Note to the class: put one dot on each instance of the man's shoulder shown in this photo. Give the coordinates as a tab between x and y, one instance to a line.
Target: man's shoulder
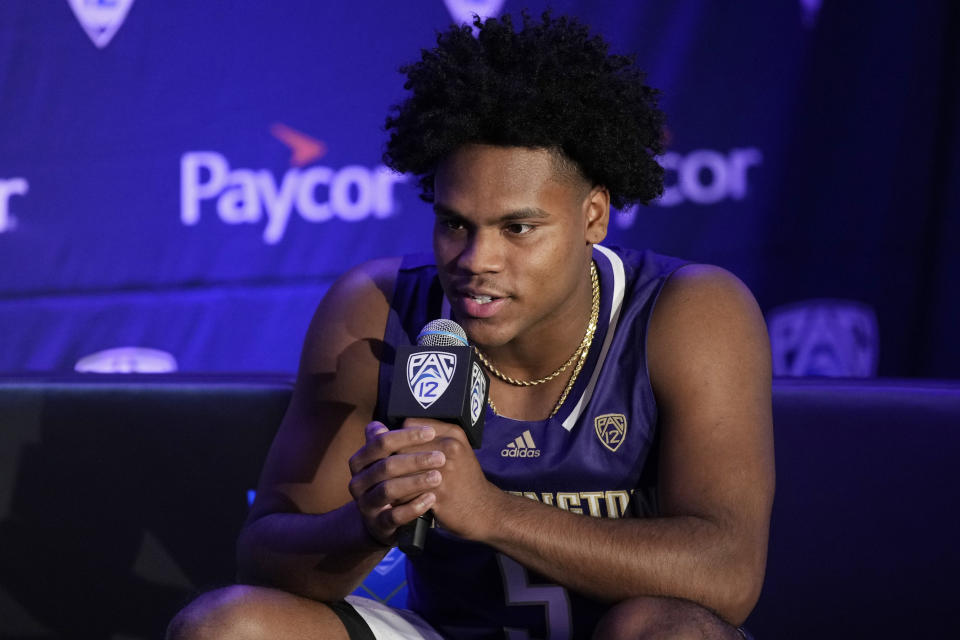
706	320
701	296
360	303
354	309
378	278
366	287
706	285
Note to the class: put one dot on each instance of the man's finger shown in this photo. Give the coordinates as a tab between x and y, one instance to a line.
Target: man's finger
382	443
389	520
373	429
442	429
393	468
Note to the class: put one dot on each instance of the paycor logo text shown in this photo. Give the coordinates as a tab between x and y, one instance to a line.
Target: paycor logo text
8	188
316	193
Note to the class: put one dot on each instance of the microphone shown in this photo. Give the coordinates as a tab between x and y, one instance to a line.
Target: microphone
440	378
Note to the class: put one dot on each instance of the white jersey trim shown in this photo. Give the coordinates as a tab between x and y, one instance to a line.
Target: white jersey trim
388	623
619	287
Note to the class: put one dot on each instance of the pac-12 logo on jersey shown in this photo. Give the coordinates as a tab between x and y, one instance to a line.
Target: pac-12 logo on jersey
611	428
478	391
429	374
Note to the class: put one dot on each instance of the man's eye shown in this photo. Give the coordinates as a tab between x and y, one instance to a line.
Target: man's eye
519	228
451	224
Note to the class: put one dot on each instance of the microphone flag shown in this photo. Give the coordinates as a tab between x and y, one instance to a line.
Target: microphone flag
441	379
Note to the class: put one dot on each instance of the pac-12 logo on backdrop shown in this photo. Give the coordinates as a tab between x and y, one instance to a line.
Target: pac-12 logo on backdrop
101	19
462	11
127	360
429	374
836	338
317	193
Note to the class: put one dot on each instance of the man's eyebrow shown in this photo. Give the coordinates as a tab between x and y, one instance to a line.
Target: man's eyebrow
446	212
526	213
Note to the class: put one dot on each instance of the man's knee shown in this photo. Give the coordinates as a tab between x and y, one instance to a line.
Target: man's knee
228	612
253	613
651	618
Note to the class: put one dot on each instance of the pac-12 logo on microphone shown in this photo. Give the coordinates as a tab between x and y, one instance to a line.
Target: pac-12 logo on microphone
478	388
429	374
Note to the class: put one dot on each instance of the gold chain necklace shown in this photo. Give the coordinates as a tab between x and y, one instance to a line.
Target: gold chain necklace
580	355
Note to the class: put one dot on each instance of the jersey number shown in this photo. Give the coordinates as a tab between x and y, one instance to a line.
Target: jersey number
519	591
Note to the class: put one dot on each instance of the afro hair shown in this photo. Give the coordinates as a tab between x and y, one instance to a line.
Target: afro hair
549	85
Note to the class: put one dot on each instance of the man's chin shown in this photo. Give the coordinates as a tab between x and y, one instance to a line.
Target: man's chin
485	333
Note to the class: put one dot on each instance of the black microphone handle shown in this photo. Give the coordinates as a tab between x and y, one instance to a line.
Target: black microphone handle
413	535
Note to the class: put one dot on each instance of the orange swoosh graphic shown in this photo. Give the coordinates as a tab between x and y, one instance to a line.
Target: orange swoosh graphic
304	149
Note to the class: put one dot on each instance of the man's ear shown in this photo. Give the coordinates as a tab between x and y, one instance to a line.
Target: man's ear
596	214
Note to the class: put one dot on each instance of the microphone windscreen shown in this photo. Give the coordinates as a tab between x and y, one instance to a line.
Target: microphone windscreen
442	333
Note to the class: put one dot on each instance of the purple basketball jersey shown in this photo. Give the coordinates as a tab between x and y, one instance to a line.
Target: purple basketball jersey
596	457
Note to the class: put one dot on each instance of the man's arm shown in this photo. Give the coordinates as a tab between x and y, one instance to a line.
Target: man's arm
305	532
708	358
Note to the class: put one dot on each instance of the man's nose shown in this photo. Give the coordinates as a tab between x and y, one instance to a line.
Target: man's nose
482	252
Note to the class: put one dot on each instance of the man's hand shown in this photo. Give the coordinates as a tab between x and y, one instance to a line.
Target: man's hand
466	502
393	477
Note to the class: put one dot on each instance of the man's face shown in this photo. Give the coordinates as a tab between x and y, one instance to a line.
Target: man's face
512	240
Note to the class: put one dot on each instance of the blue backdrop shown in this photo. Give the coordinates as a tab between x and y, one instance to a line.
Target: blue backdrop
190	177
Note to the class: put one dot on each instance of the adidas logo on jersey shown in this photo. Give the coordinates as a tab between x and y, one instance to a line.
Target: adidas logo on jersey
521	447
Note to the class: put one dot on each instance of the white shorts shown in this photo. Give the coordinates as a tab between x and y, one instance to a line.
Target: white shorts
387	623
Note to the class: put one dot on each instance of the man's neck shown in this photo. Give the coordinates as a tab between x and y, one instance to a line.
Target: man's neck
543	348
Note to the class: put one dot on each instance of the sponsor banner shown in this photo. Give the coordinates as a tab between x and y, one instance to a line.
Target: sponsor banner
187	167
150	147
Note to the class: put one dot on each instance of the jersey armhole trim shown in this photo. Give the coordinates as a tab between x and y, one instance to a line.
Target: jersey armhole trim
619	287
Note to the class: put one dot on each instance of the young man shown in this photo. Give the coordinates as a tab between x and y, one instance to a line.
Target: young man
636	387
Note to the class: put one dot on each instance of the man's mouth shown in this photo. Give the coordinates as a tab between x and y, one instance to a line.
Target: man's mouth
481	305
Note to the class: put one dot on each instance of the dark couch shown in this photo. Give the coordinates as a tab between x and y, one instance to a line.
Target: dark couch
121	497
